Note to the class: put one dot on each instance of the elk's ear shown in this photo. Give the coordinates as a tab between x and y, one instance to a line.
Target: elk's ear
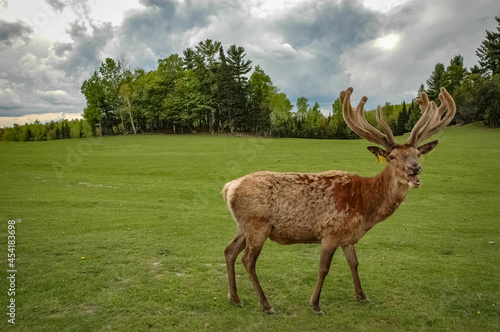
426	148
378	152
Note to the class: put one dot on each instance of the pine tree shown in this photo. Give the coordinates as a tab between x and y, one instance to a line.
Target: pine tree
413	116
28	136
65	130
489	51
235	55
402	121
435	82
454	74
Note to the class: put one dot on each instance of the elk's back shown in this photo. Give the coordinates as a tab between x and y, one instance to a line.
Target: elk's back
292	207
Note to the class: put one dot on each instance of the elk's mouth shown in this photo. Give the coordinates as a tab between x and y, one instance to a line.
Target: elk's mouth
413	180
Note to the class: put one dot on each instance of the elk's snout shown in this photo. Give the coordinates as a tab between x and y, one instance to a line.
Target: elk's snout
414	168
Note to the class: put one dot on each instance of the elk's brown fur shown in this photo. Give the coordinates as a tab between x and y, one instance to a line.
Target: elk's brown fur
332	208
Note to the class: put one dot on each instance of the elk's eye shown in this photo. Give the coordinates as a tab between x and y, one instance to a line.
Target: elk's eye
418	155
392	157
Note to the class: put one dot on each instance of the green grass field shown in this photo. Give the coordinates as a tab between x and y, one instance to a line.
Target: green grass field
128	233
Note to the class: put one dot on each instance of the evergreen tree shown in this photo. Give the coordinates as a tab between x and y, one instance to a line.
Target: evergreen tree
313	121
229	110
240	67
260	92
65	130
454	73
189	58
489	51
232	69
435	82
403	118
492	112
28	136
207	51
340	128
413	116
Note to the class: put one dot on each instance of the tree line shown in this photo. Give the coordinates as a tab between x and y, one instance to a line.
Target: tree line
53	130
208	89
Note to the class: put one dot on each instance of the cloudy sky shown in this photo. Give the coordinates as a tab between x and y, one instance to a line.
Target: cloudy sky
384	49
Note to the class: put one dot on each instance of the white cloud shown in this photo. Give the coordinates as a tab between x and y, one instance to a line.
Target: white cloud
383	5
9	99
56	97
387	42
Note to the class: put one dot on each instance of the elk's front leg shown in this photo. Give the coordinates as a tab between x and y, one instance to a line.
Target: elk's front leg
352	260
327	252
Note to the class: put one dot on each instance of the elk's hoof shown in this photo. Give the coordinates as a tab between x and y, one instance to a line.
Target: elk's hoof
268	310
365	300
319	312
236	301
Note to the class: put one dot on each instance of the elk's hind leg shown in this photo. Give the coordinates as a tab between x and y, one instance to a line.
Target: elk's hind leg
352	260
231	252
255	242
327	251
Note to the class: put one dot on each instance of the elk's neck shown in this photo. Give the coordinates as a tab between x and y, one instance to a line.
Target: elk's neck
388	191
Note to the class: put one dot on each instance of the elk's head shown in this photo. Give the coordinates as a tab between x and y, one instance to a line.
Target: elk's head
403	159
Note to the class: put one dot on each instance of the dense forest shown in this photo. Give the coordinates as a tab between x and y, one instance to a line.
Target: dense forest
212	90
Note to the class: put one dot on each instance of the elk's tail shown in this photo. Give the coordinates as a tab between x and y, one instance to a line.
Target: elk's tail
228	194
224	191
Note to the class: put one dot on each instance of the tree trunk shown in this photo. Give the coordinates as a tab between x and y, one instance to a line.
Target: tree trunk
123	125
131	119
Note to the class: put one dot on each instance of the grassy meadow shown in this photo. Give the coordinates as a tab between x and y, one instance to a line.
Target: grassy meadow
127	233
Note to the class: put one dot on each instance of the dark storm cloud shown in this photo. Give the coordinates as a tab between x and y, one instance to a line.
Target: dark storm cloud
11	32
79	7
163	28
334	24
57	5
84	54
325	30
164	4
46	77
60	49
76	29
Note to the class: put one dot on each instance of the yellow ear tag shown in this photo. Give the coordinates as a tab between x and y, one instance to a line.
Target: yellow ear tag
381	159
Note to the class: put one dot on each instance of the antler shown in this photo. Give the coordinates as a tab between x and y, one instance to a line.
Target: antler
358	123
432	119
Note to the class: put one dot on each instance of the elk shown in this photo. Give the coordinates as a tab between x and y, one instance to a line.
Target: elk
333	208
